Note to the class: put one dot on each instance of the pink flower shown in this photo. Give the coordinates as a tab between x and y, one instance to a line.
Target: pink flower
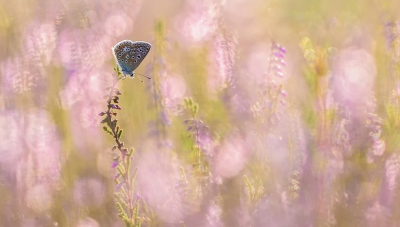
83	97
221	62
32	152
213	215
206	142
78	50
392	167
39	198
200	20
89	192
87	222
115	164
231	157
354	75
173	90
41	39
156	181
14	79
118	24
377	214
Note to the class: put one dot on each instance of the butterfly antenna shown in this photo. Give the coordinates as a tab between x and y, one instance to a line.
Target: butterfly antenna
142	75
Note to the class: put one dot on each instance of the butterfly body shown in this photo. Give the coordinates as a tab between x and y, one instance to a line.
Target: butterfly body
130	54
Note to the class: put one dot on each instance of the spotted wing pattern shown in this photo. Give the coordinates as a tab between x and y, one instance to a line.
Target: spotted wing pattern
130	54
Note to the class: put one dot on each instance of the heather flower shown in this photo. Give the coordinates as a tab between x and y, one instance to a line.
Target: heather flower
258	62
89	192
206	142
200	20
12	76
213	215
82	96
373	125
10	152
270	60
222	60
173	90
81	50
115	164
269	212
39	198
26	70
41	39
392	30
31	157
54	12
156	181
198	129
340	135
335	164
354	74
87	222
70	49
118	24
231	157
377	215
377	149
297	154
165	118
392	169
271	96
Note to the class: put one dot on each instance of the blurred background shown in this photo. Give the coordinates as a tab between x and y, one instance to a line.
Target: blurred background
257	113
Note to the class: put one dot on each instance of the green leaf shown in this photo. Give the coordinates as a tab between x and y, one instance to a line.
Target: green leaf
121	210
129	158
131	151
107	130
134	176
306	43
249	187
121	201
120	169
119	134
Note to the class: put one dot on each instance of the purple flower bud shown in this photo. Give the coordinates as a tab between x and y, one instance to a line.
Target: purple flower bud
119	185
284	93
165	118
116	176
278	68
282	49
278	55
115	164
279	74
138	196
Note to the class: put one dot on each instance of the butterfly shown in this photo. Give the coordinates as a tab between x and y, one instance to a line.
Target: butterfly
130	54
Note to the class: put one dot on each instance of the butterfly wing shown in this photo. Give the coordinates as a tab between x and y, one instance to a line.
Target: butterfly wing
130	54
